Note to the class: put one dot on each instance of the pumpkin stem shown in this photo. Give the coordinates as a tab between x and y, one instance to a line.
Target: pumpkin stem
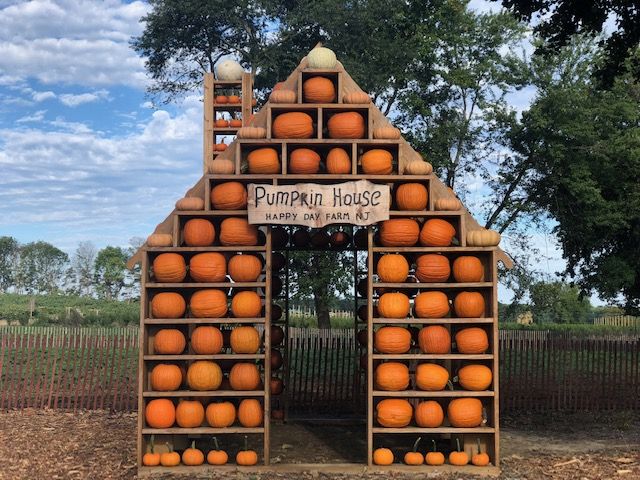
151	443
246	443
215	442
478	439
169	446
458	443
415	445
434	445
450	385
193	444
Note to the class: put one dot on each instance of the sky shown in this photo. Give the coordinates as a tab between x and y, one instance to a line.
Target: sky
83	155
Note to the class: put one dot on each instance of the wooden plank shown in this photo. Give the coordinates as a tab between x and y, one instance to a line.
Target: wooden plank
189	321
207	285
439	394
200	431
207	121
426	431
432	356
434	321
220	356
210	393
370	270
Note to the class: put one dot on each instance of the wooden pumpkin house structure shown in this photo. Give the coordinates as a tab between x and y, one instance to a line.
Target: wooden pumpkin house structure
209	318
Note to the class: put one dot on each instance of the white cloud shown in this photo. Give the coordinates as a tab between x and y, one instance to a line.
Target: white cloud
42	96
73	100
36	117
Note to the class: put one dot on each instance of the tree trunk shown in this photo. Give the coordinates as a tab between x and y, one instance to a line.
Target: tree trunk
320	297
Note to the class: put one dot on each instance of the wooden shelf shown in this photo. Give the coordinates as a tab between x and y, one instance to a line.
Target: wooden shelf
211	213
188	321
225	130
424	285
419	249
319	176
220	356
227	83
212	248
228	107
434	321
199	430
207	285
454	430
432	356
214	393
440	394
328	141
425	213
308	106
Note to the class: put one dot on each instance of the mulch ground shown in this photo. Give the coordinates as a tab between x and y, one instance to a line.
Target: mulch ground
40	444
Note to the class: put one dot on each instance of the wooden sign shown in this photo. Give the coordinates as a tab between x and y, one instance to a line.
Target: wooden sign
313	205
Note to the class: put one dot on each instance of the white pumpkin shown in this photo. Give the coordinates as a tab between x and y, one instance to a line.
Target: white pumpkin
483	238
321	57
229	70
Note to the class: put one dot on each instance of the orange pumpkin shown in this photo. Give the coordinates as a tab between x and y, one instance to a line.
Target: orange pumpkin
151	458
245	339
392	340
168	305
392	268
377	161
292	125
206	340
432	268
244	268
391	376
480	459
437	233
394	412
160	240
244	376
189	414
246	304
468	269
238	231
383	456
192	456
472	340
165	377
169	268
221	123
411	196
459	458
346	125
431	377
246	457
465	412
338	161
235	122
304	161
170	458
204	375
434	339
475	377
169	341
160	413
431	304
250	413
264	161
393	305
229	196
217	456
209	303
208	267
469	305
198	232
399	232
429	414
318	90
220	414
414	457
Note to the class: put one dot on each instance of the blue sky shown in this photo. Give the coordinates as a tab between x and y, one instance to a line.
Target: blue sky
83	156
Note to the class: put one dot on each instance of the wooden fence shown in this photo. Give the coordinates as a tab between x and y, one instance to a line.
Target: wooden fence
618	321
96	368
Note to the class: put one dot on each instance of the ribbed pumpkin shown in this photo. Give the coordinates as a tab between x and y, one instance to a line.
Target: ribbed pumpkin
468	269
165	377
394	412
429	414
432	268
346	125
448	204
437	233
250	413
206	340
434	339
391	377
469	305
246	304
160	413
383	456
159	240
263	161
472	340
244	376
411	196
292	125
483	238
208	267
399	232
356	97
387	132
251	132
282	96
220	414
244	268
222	166
318	90
304	161
190	203
192	456
431	377
431	305
204	375
189	414
392	340
475	377
245	339
169	341
169	268
392	268
168	305
198	232
377	161
209	303
238	231
465	412
338	161
393	305
229	196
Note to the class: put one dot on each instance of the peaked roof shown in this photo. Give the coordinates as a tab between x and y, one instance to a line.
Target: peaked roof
406	152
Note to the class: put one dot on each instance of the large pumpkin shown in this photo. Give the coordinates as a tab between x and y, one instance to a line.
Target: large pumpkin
434	339
206	340
468	269
475	377
437	233
189	414
250	413
391	376
168	305
432	268
198	232
208	303
469	305
411	196
431	305
465	412
346	125
238	231
208	267
220	414
431	377
165	377
377	161
322	58
399	232
169	341
472	340
292	125
246	304
338	161
429	414
394	412
393	305
229	196
160	413
392	268
304	161
263	161
244	268
245	339
244	376
204	375
318	90
169	268
392	340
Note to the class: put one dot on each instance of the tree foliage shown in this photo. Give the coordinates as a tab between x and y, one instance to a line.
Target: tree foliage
9	255
110	272
41	268
558	302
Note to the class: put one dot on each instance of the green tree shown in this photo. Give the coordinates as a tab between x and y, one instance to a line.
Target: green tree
110	272
83	263
9	255
558	302
41	268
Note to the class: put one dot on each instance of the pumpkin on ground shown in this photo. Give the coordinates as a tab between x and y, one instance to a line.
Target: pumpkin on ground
434	339
475	377
160	413
469	305
250	413
432	268
192	456
411	196
393	305
392	268
245	339
229	196
472	340
292	125
394	412
429	414
346	125
168	305
203	375
468	269
244	376
399	232
338	161
431	304
198	232
465	412
206	340
264	161
437	233
238	232
165	377
318	90
220	414
244	268
208	267
431	377
169	341
246	304
382	456
377	161
189	414
391	376
304	161
392	340
208	303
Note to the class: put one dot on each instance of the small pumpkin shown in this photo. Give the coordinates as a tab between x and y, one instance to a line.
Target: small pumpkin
468	269
414	457
263	161
208	267
244	376
318	90
437	233
391	376
222	166
169	268
250	413
151	458
399	232
170	458
431	377
321	58
483	238
190	203
192	456
221	99
221	123
229	70
411	196
198	232
251	132
159	240
160	413
448	204
377	161
393	305
417	167
431	304
469	305
217	456
206	340
472	340
434	457
208	303
387	132
292	125
165	377
235	122
283	96
465	412
229	196
383	456
304	161
219	147
169	341
434	339
246	457
168	305
356	97
220	414
244	268
189	414
429	414
480	459
458	457
245	339
246	304
392	340
475	377
203	375
392	268
234	99
394	412
432	268
338	161
346	125
238	232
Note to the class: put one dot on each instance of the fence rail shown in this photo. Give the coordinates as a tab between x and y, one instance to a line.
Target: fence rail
618	321
91	368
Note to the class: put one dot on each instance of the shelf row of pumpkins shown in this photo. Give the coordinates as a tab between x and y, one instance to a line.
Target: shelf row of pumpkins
429	268
193	456
206	267
464	412
430	377
432	304
232	231
207	303
384	456
430	339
